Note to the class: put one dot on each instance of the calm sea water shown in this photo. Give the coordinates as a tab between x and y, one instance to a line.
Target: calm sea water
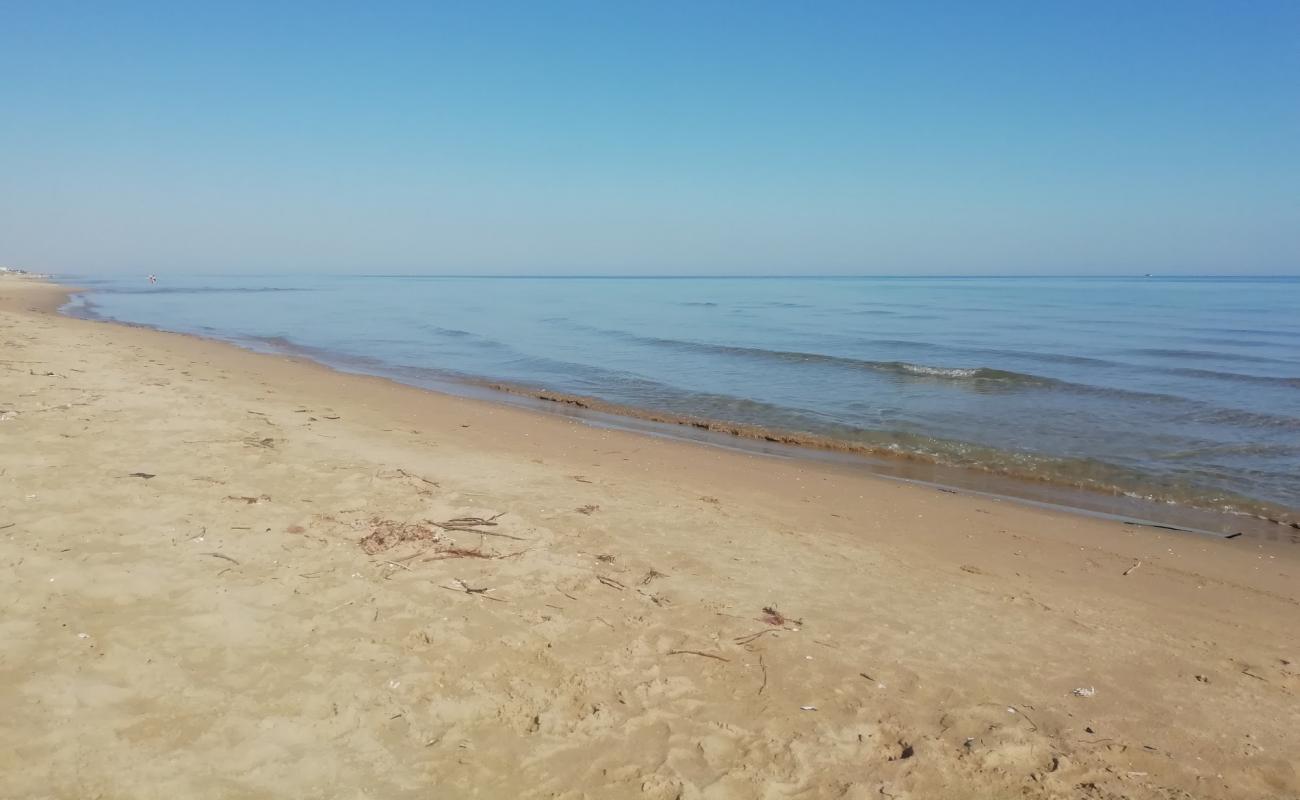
1181	390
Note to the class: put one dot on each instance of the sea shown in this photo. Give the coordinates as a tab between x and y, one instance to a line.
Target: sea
1156	398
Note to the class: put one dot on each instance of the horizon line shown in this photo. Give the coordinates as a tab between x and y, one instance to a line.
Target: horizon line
680	276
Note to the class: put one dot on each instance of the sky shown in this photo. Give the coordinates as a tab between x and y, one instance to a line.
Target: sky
699	137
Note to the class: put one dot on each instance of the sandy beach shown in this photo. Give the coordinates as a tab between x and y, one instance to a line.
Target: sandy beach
226	574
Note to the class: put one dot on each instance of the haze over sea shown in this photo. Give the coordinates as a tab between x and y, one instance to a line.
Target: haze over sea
1181	390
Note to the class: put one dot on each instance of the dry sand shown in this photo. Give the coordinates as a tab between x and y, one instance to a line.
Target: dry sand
218	629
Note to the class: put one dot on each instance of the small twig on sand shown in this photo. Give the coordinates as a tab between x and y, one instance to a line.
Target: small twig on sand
492	520
398	564
610	582
697	653
249	499
341	605
580	479
566	594
7	525
651	575
763	667
654	598
406	474
458	552
467	589
1032	724
145	475
1247	672
472	525
744	640
1129	571
222	555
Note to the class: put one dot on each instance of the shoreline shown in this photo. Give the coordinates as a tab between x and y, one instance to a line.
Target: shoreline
228	573
1256	519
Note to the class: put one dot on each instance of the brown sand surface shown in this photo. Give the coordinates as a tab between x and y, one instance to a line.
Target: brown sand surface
220	577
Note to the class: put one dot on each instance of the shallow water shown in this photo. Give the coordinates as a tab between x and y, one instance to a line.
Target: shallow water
1181	390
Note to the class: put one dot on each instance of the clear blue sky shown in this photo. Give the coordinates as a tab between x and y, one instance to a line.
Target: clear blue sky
655	137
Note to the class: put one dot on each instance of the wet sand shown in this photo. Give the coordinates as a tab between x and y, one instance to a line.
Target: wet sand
222	578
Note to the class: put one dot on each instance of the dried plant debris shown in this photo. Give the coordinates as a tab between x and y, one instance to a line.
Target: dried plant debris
385	534
774	617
